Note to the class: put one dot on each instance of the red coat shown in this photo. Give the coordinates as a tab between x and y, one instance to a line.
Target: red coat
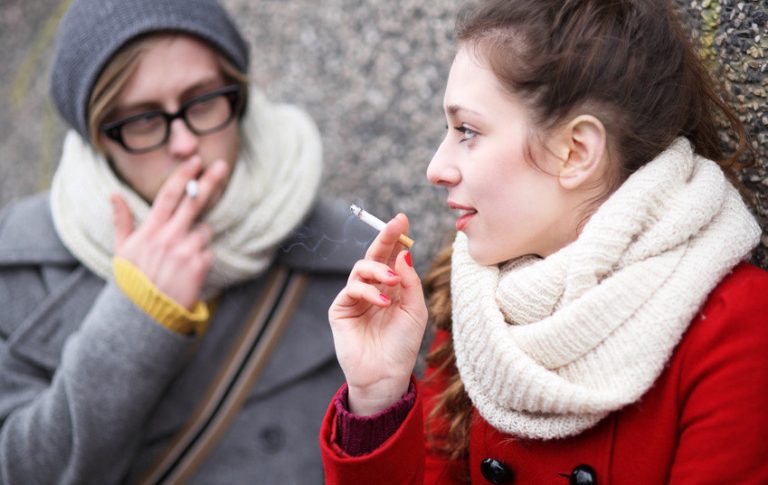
705	420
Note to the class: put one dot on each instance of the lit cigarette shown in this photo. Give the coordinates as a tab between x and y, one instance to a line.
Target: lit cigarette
378	224
192	189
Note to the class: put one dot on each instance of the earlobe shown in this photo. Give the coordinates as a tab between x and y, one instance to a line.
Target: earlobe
586	140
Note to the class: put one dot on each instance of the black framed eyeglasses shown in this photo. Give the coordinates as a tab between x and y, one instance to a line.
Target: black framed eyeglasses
203	115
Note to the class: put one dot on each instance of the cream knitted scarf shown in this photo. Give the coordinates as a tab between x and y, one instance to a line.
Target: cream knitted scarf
272	188
548	347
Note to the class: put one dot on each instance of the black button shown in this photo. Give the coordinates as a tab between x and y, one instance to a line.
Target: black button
496	472
272	439
583	475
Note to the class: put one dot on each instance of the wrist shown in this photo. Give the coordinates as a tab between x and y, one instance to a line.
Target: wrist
371	399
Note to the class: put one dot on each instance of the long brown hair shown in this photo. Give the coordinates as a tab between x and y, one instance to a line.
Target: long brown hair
627	62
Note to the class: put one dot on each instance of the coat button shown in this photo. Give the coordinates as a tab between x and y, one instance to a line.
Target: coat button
583	475
272	439
496	472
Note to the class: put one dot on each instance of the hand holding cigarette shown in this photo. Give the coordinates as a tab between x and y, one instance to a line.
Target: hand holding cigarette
170	247
378	224
378	319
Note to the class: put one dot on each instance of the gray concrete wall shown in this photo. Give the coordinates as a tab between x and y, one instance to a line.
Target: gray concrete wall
371	73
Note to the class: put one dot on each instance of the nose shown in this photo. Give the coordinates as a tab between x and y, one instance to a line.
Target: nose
441	170
182	143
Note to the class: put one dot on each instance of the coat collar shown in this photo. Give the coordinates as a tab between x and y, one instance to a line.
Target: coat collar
27	234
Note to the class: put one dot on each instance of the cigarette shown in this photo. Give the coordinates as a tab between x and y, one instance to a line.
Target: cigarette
192	189
378	224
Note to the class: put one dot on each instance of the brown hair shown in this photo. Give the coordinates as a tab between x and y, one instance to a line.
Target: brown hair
627	62
119	69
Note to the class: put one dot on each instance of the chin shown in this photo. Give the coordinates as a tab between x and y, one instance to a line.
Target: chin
483	257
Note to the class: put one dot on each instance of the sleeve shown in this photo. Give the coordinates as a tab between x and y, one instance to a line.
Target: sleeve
405	457
82	424
724	397
156	304
359	435
400	459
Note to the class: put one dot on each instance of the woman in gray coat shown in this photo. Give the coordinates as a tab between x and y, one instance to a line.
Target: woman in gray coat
164	305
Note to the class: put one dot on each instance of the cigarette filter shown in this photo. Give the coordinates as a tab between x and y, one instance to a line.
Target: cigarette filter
377	224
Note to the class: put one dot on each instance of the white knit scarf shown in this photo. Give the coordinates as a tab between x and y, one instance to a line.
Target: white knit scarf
548	347
272	188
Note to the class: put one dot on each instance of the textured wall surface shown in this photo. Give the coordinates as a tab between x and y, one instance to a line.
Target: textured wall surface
372	74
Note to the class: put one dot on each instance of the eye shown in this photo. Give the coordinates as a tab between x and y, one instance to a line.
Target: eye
466	132
143	123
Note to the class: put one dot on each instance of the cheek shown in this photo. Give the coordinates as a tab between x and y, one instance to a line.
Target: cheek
233	144
518	209
222	145
131	169
145	174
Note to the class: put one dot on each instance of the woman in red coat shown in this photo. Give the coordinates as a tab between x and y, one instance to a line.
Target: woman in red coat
596	320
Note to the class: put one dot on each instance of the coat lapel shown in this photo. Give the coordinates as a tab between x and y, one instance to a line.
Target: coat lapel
41	336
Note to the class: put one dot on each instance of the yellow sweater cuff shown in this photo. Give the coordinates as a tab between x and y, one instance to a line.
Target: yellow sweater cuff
156	304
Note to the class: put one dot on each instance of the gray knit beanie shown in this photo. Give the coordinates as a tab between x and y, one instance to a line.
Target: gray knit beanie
92	31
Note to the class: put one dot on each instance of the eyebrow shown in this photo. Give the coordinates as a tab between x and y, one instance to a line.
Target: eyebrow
190	92
455	109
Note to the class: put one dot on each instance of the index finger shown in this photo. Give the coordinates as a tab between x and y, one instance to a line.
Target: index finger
386	246
170	193
191	208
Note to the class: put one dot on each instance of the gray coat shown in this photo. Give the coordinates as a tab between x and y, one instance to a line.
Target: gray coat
92	389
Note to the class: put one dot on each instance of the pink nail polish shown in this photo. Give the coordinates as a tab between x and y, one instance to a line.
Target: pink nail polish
383	297
391	273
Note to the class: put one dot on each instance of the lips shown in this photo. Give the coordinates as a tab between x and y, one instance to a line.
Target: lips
465	214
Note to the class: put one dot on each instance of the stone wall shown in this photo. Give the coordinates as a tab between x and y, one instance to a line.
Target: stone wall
732	37
372	74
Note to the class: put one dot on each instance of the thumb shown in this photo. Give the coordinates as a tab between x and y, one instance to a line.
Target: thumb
122	220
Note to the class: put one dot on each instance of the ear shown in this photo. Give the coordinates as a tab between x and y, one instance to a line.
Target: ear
583	145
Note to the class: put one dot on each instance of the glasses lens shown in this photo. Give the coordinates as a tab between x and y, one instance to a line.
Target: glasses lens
144	132
210	113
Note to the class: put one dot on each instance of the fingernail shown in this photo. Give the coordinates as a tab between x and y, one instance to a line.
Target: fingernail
391	273
383	297
408	259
